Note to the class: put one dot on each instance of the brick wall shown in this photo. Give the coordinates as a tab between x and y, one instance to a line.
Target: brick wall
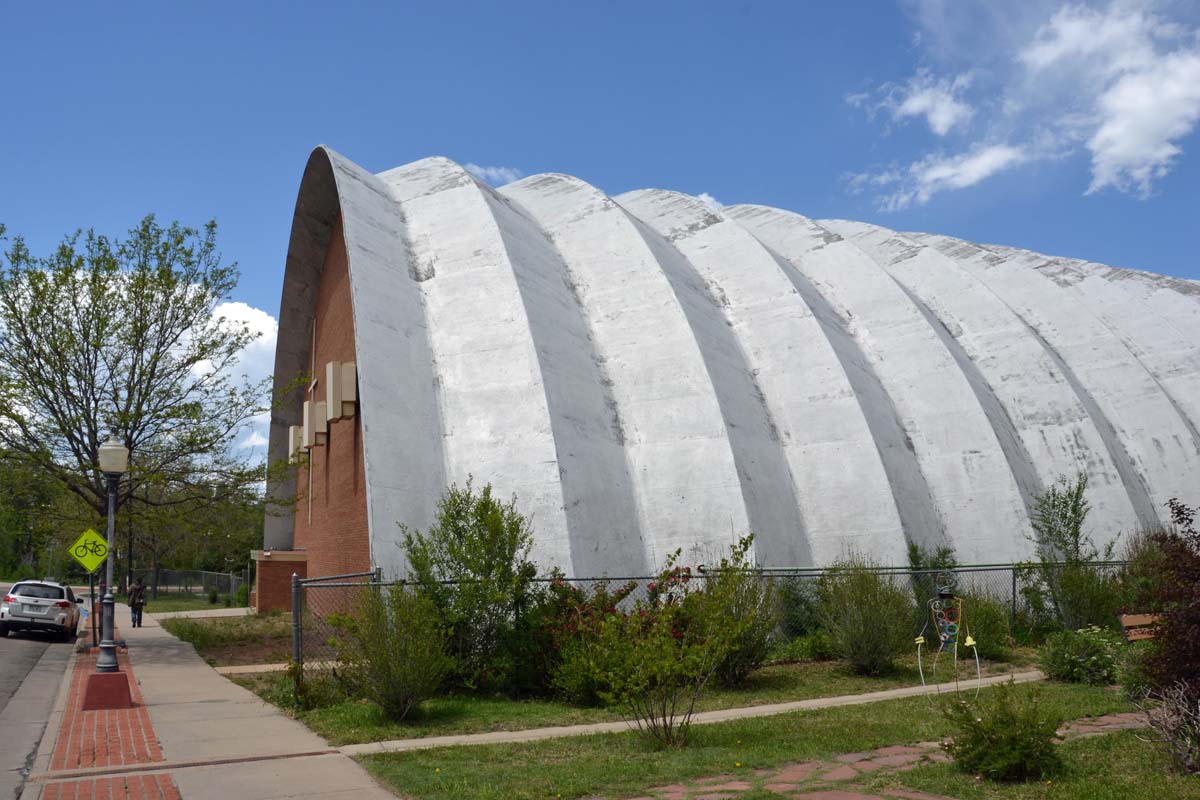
331	510
273	584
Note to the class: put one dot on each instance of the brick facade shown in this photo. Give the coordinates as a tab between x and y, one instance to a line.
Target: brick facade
273	581
331	508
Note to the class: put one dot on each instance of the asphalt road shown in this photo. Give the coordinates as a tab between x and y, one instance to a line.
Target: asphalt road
18	653
31	671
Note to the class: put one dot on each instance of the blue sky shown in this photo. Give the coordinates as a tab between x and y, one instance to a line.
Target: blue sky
1064	128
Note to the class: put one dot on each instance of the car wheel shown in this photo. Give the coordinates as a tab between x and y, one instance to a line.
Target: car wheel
3	631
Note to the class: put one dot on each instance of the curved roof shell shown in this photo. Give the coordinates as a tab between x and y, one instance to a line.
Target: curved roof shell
648	372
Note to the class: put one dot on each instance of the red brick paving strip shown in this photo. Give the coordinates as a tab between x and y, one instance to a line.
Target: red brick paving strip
111	738
124	787
103	738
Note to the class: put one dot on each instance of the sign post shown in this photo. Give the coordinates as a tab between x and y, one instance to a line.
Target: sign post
90	550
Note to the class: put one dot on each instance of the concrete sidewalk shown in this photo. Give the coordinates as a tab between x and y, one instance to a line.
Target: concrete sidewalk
702	718
214	738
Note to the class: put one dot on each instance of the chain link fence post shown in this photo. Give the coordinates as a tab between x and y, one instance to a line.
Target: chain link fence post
297	639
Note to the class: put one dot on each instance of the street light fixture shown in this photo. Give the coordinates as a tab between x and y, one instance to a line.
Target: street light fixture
114	462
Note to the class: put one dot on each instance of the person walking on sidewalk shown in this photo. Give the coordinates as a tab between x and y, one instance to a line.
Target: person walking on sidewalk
137	602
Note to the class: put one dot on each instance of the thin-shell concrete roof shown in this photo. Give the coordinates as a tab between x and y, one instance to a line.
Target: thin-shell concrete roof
648	372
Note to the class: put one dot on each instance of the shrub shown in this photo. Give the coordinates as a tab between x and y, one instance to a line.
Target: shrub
1172	659
867	616
989	623
241	597
797	598
391	649
1004	735
212	597
1063	585
1131	671
926	565
473	565
1174	715
1088	655
814	646
571	619
740	602
655	661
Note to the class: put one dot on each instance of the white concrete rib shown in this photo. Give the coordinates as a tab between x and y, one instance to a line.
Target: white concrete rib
1157	318
766	483
1143	420
830	460
402	449
588	436
1039	418
682	468
973	490
886	445
496	423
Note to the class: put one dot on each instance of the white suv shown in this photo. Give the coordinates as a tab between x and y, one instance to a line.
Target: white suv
40	606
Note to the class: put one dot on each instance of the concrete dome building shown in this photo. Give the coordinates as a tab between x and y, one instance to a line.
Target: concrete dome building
646	372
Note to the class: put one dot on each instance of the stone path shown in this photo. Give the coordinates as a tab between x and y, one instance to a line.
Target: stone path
835	779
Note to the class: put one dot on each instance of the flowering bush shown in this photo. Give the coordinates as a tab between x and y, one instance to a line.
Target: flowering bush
1088	655
652	660
572	621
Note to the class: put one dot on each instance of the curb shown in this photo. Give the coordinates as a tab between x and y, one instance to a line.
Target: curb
32	790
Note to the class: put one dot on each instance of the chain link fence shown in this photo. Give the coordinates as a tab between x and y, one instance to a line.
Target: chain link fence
189	581
318	603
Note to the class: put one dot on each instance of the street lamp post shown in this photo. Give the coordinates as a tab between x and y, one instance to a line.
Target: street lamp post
114	461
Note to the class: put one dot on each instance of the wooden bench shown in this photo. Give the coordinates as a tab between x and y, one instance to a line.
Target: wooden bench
1138	627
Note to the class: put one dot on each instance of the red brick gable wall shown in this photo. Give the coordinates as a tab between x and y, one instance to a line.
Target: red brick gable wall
331	512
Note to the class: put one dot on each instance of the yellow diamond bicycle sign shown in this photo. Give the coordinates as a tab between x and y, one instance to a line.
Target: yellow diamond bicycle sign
90	550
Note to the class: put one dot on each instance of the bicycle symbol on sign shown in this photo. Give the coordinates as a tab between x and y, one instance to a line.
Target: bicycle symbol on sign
93	548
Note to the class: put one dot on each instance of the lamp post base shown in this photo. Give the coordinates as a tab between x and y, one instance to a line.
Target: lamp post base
107	691
106	662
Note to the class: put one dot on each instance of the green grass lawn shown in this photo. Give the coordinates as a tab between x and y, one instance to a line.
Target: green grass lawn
355	721
252	639
175	602
620	765
1116	766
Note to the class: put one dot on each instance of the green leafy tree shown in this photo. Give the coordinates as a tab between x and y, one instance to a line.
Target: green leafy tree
122	336
27	499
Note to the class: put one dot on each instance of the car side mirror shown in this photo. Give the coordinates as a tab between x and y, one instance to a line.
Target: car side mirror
79	600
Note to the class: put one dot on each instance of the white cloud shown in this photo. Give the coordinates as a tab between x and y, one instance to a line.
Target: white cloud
938	173
709	200
255	439
935	99
1117	81
256	361
496	176
1138	77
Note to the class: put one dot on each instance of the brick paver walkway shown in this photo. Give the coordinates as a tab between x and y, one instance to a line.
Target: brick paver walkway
103	738
100	743
834	779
